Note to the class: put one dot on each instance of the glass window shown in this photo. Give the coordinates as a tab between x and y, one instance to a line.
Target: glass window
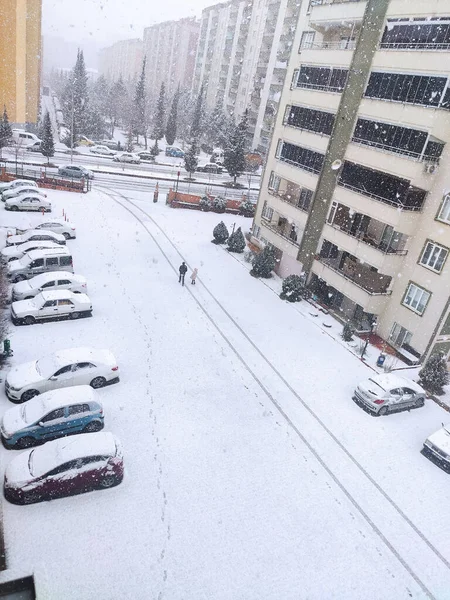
416	298
399	336
65	302
49	284
55	414
322	78
433	256
267	212
64	282
63	370
414	89
83	365
37	263
444	213
306	159
65	261
52	261
312	120
49	303
76	409
307	40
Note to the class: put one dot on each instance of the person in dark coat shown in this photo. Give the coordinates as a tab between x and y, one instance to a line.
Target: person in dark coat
182	270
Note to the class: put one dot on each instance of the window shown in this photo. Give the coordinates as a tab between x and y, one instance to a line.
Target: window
274	182
399	336
322	78
39	262
65	261
267	212
307	40
63	370
64	282
55	414
52	261
83	365
317	121
306	159
49	303
418	34
77	409
65	302
444	213
412	89
416	298
304	202
434	256
390	137
49	284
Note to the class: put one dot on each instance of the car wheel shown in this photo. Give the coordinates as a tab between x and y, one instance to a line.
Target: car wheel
98	382
93	426
383	411
108	481
14	208
29	320
74	315
419	403
25	442
66	235
28	395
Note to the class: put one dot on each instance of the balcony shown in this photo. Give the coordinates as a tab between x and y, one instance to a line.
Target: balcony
331	13
284	227
289	192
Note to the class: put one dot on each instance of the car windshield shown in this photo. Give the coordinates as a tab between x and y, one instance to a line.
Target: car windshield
377	384
47	366
32	411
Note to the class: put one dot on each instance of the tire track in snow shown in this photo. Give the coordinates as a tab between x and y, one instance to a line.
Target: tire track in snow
111	193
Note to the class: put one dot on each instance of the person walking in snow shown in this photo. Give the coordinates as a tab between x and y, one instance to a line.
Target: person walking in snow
194	276
182	270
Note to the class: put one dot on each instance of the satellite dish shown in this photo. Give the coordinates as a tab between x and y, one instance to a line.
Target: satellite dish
336	165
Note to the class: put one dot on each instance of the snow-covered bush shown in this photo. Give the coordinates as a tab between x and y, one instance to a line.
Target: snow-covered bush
205	203
236	241
347	333
249	255
293	289
247	208
264	263
220	233
434	375
219	204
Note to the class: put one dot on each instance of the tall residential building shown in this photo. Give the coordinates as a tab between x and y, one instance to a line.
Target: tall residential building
20	63
122	59
242	60
356	190
170	49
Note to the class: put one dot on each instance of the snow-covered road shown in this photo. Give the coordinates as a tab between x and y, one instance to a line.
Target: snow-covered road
251	474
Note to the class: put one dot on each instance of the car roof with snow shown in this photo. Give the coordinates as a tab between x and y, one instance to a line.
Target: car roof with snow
441	439
54	399
58	295
51	275
31	232
26	195
58	452
60	250
83	354
389	381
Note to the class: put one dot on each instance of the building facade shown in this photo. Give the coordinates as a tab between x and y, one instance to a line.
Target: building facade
170	50
242	58
122	59
356	190
20	64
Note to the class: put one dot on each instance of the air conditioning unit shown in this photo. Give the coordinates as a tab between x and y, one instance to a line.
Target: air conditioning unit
430	168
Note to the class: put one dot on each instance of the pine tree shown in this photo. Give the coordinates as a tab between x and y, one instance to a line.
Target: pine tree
247	208
139	107
197	120
236	241
434	375
47	145
130	145
220	233
100	96
117	104
293	288
190	158
159	119
171	127
217	127
219	204
5	130
234	155
264	263
80	92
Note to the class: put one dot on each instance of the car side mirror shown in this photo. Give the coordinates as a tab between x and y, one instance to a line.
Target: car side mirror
53	378
41	424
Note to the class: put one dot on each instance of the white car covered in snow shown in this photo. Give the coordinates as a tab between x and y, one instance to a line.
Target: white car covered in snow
11	185
127	157
437	447
54	280
388	392
68	230
64	368
36	235
102	150
50	305
21	190
15	252
29	202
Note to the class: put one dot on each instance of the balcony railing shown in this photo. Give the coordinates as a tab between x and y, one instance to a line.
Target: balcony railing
414	46
350	45
279	231
377	287
322	2
363	237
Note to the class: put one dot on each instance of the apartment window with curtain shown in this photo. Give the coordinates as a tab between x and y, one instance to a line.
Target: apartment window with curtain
416	298
433	256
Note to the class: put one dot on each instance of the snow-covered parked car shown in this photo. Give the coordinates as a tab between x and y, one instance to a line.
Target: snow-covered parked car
64	368
210	168
99	149
39	261
52	415
437	447
64	467
54	280
68	230
50	305
127	157
20	190
11	185
36	235
75	172
386	393
15	252
29	202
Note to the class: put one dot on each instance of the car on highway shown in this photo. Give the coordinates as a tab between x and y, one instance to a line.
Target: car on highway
20	190
34	235
64	228
28	202
11	253
51	305
437	447
99	149
75	172
210	168
10	185
388	392
52	415
63	467
174	151
127	157
63	368
54	280
146	156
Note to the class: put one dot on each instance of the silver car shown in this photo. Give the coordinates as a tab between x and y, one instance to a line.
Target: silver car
383	394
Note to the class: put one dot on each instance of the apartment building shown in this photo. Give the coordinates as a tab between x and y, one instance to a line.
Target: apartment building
20	64
242	60
170	49
356	190
122	59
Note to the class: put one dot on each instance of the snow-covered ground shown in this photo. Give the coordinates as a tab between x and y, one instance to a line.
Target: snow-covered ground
250	472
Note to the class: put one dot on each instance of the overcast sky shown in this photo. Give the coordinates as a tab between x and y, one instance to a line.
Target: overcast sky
106	21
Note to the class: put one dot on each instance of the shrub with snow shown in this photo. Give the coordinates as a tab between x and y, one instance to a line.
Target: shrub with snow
236	241
347	333
205	203
219	204
434	375
293	289
247	208
264	263
220	233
